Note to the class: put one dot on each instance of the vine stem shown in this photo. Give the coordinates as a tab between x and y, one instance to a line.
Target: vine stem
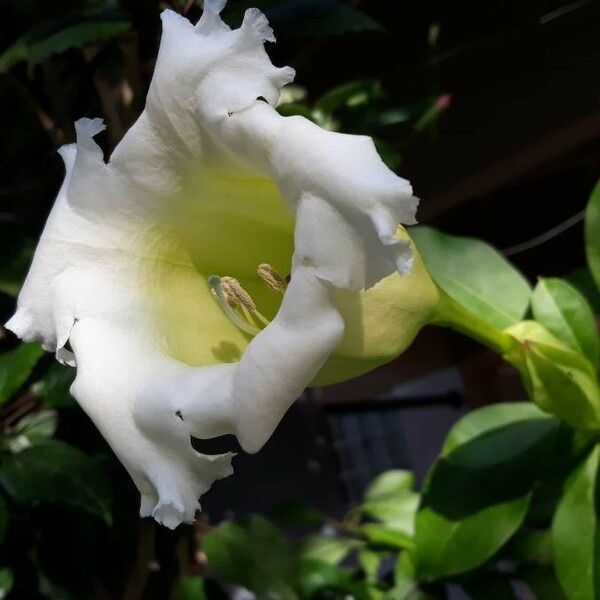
451	314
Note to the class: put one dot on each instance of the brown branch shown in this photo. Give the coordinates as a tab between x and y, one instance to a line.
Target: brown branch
145	554
22	406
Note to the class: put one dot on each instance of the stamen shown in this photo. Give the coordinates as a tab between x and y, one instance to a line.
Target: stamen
214	283
271	278
234	291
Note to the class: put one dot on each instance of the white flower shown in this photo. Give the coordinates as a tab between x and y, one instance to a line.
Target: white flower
209	181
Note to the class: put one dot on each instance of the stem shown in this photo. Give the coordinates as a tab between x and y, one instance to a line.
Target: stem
451	314
139	577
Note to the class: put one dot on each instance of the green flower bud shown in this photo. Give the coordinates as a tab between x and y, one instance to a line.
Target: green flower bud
558	379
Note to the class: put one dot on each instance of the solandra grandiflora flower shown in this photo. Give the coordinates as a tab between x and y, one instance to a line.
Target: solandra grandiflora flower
166	268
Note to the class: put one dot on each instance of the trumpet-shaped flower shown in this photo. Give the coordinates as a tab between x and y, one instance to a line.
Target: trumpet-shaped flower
161	274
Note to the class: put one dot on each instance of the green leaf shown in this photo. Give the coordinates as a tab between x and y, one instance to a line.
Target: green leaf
532	546
16	367
562	310
396	514
32	429
6	582
76	36
405	584
592	233
583	281
54	387
316	578
54	472
370	563
328	549
353	93
11	56
576	532
487	419
253	554
389	499
474	275
447	546
481	483
384	537
191	588
57	37
389	485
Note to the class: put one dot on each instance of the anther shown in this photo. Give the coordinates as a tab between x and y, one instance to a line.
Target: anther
271	278
236	295
215	284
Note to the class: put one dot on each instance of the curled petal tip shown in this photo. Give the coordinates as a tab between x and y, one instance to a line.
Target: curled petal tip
210	21
214	6
256	26
21	324
285	75
89	127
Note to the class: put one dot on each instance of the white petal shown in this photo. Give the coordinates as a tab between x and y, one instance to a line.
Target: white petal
110	245
249	398
113	365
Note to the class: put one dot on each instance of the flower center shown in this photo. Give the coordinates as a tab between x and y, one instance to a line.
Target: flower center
237	303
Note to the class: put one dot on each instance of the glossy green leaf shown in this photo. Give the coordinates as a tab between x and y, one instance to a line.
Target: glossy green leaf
583	281
191	588
474	275
592	233
54	472
565	313
447	546
6	582
481	483
488	419
576	532
16	367
253	554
